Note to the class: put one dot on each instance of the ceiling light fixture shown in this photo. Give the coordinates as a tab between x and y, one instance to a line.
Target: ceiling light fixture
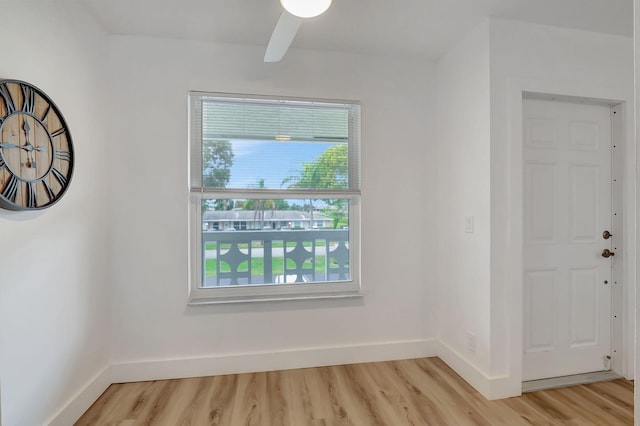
306	8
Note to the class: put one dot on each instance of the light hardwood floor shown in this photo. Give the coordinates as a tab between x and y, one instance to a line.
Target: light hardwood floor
397	393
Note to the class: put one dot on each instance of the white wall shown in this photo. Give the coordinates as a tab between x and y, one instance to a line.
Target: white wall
480	84
54	264
536	58
154	329
463	191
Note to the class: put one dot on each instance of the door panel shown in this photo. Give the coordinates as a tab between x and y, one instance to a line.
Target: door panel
584	307
583	182
567	184
540	310
541	223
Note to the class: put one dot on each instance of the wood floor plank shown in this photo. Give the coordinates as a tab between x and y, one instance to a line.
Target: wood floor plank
427	408
221	396
297	397
620	393
388	396
434	385
250	406
528	414
592	404
186	405
419	392
303	402
353	392
328	388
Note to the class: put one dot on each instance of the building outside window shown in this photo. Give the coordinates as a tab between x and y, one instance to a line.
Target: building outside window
239	225
275	195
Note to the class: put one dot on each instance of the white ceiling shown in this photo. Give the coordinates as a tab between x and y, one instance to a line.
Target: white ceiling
414	28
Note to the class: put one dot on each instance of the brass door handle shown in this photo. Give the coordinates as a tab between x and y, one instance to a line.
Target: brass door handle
607	253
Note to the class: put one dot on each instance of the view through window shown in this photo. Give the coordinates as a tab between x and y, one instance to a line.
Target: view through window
275	193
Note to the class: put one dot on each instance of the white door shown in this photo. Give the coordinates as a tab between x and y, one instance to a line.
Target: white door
567	207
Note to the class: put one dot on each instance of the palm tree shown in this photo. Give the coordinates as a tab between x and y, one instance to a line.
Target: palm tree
259	205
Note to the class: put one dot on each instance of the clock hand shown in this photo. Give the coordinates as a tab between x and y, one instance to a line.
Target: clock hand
28	147
30	161
25	147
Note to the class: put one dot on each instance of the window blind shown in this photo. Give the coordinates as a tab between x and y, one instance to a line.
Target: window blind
276	144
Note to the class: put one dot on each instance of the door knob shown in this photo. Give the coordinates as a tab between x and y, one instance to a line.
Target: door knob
606	235
607	253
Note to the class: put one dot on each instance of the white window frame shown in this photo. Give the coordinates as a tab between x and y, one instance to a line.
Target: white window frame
199	295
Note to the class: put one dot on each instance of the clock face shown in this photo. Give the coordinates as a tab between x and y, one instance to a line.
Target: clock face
36	153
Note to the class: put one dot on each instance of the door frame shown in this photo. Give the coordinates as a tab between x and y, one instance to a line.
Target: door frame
623	363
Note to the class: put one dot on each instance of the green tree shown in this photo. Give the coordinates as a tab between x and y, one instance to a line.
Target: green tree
223	204
329	171
337	210
281	204
217	159
248	204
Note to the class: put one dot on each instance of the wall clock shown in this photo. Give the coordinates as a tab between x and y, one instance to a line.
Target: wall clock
36	152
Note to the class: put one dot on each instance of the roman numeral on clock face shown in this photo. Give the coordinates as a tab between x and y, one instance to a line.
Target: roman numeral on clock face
5	94
28	99
62	155
31	196
47	187
61	178
10	191
58	132
46	112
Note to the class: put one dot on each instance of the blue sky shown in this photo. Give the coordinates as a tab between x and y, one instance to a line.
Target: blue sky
272	161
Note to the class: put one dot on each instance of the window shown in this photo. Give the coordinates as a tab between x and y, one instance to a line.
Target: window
275	195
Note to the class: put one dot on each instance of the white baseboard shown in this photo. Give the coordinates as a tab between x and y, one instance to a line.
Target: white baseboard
133	371
82	400
497	387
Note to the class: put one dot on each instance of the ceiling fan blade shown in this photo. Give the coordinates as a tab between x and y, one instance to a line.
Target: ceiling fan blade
282	36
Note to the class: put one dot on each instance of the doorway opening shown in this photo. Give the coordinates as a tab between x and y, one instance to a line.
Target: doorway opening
572	241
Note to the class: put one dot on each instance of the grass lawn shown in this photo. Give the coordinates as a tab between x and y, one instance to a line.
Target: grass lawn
257	266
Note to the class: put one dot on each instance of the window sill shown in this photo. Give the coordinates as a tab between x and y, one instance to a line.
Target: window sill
198	301
274	292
